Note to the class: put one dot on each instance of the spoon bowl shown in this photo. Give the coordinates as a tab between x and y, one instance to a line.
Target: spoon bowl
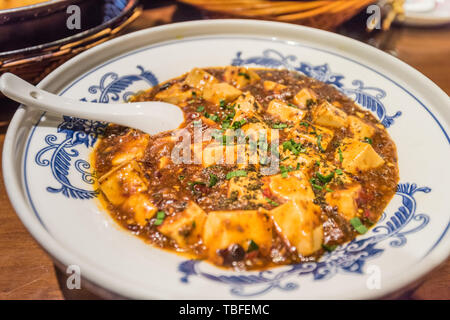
150	117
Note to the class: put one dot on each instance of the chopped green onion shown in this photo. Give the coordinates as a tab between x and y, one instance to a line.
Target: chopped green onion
196	182
314	184
165	86
368	140
305	124
270	201
293	147
225	124
237	173
319	143
317	186
329	247
341	158
200	109
213	179
180	177
238	124
339	172
245	75
252	246
325	179
279	126
358	226
284	171
230	116
231	106
213	117
328	189
160	215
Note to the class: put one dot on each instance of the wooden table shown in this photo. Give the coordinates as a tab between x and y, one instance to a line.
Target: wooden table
26	272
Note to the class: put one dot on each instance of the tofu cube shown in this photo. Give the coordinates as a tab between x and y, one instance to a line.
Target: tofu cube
303	160
295	186
132	149
298	224
249	118
175	94
257	130
218	154
273	86
141	207
185	227
280	110
359	128
204	123
247	154
198	78
358	156
121	182
248	188
345	200
224	228
240	76
220	91
246	104
302	97
326	167
310	134
328	115
247	108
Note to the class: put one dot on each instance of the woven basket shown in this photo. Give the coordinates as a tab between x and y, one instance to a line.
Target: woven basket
33	64
319	14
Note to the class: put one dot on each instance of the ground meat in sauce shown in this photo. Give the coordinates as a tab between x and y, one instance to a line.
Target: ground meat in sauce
170	187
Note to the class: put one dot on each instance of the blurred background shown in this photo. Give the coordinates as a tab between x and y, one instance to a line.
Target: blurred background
36	36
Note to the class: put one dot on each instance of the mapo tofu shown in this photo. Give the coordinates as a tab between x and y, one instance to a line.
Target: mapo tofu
317	169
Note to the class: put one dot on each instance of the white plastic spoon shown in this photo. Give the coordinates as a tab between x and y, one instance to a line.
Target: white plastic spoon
149	116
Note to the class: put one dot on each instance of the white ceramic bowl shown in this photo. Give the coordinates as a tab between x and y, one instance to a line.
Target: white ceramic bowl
47	174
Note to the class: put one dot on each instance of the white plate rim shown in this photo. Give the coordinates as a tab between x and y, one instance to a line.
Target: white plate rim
427	19
62	74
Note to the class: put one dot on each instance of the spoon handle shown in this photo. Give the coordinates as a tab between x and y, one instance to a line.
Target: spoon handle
135	115
21	91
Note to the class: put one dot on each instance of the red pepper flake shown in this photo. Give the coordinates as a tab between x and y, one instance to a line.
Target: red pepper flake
266	192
